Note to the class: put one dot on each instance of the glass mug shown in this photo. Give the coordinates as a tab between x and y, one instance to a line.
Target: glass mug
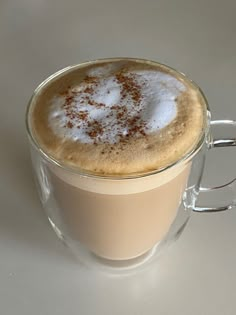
120	222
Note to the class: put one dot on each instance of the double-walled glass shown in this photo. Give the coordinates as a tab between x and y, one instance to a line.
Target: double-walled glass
121	222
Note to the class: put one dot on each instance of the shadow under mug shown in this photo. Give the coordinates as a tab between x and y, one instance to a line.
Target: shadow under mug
118	223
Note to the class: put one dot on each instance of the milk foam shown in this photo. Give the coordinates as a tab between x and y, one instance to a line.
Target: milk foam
124	186
100	102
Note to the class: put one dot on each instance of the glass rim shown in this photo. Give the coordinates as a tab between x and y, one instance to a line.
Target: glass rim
134	175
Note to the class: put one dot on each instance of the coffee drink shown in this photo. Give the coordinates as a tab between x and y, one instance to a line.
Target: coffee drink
118	133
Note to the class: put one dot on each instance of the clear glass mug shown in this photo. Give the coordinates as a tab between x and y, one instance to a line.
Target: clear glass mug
117	223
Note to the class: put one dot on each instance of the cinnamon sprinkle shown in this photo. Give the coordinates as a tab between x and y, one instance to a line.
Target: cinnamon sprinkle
130	88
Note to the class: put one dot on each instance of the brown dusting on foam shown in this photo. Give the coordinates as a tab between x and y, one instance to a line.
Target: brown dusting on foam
130	91
69	125
96	130
80	117
129	86
134	124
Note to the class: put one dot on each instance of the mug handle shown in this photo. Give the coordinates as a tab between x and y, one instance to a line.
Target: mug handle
227	131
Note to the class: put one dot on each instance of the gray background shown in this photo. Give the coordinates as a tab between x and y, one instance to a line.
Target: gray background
37	37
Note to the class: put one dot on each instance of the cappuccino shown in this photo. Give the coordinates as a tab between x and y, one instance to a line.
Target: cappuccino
116	131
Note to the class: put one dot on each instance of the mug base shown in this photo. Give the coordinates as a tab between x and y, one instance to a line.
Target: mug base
92	261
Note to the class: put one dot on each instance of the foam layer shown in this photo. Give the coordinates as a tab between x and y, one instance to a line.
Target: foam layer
105	108
122	187
119	117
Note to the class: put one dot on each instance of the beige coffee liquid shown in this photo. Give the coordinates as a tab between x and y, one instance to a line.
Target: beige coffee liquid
115	119
119	224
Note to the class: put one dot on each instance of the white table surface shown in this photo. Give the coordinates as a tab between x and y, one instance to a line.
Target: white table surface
37	37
